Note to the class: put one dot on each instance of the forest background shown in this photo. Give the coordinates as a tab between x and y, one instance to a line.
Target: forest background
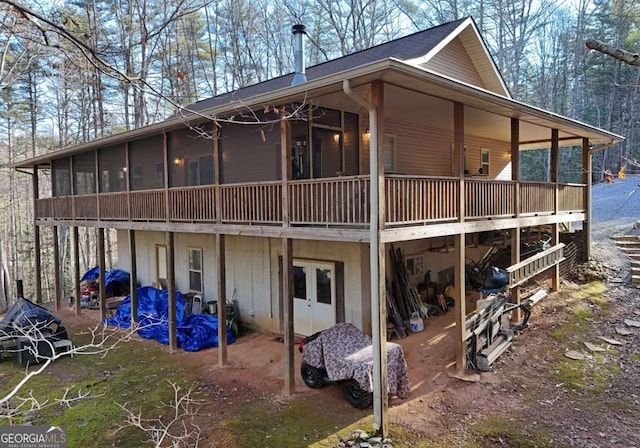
74	70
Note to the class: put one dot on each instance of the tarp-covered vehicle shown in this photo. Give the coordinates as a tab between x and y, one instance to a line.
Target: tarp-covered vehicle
344	353
31	331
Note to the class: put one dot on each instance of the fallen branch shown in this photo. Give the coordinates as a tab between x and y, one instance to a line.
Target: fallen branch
616	53
179	431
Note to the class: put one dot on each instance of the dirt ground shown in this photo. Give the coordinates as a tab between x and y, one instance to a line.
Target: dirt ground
534	395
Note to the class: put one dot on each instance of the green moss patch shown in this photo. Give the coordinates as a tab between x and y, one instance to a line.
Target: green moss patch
499	431
135	374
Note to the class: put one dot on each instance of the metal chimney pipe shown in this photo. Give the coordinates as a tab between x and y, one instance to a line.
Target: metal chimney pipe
298	53
20	289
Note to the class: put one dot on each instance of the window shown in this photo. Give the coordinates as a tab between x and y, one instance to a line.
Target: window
415	265
195	270
389	143
136	180
194	173
159	175
161	267
484	162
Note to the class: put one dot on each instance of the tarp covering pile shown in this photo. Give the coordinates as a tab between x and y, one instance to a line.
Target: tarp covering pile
24	315
116	281
110	276
194	332
346	352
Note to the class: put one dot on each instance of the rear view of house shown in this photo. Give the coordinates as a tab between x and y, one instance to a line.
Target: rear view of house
285	197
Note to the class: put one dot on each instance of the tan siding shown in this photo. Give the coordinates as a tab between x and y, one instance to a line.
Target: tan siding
499	156
454	61
426	151
420	149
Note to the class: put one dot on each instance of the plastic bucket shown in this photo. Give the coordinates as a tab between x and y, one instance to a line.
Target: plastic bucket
416	323
212	306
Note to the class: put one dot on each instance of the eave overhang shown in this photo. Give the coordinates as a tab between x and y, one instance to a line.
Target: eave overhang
392	71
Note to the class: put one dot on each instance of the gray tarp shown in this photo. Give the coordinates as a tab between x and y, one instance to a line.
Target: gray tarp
346	352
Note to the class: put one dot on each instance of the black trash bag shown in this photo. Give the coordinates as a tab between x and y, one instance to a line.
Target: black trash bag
495	278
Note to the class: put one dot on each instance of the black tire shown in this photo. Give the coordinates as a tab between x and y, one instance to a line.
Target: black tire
356	396
312	376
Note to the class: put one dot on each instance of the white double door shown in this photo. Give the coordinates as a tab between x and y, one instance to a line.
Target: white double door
314	296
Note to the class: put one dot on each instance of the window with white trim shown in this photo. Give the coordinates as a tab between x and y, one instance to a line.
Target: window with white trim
195	270
389	145
484	162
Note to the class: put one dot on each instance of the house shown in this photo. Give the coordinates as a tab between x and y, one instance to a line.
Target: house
287	195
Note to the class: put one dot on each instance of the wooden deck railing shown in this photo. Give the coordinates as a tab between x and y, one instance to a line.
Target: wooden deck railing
85	206
339	201
570	197
413	200
61	208
148	205
114	206
256	203
489	199
536	198
192	204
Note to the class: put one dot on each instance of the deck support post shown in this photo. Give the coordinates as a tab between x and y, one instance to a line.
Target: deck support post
37	259
287	263
171	289
56	269
459	239
287	297
587	179
461	305
133	277
101	275
221	272
75	241
515	233
555	228
377	260
377	267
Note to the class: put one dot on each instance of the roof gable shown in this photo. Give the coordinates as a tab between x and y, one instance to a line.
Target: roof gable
463	56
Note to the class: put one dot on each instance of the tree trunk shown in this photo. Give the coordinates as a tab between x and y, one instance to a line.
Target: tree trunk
616	53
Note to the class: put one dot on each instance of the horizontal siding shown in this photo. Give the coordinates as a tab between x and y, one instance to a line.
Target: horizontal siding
427	151
454	61
499	156
420	149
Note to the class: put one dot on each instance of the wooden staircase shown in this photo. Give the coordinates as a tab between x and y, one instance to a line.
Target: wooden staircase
630	244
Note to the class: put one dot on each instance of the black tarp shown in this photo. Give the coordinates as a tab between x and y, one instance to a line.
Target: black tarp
25	315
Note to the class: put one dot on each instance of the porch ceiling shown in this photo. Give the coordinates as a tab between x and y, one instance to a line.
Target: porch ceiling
486	114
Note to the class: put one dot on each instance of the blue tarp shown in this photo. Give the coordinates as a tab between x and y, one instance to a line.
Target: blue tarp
194	332
110	276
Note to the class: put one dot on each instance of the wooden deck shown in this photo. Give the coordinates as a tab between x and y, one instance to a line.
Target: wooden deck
332	202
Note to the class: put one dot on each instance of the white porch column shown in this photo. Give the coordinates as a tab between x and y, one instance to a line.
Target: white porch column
515	233
587	179
555	228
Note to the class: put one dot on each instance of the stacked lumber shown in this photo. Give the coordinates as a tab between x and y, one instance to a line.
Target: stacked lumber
403	298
